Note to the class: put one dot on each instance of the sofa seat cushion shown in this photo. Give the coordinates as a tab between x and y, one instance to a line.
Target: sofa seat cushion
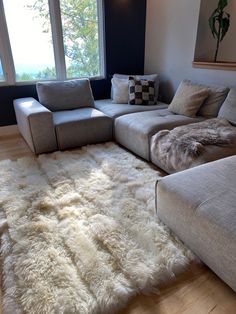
117	110
82	126
198	204
134	131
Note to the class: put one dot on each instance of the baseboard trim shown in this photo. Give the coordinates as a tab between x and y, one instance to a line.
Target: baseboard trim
8	129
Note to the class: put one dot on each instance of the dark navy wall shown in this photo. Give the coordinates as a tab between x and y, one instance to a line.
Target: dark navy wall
125	45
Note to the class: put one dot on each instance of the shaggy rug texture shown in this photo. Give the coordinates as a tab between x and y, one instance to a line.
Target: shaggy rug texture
79	232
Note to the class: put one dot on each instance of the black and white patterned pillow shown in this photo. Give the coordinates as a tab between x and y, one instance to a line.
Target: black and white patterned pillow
141	92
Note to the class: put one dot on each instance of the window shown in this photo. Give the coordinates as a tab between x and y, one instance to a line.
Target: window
1	72
31	45
51	39
80	34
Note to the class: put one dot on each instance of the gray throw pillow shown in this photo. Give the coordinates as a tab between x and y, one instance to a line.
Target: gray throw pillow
188	99
228	109
65	95
211	106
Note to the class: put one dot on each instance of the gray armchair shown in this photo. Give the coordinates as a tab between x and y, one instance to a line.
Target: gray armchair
64	117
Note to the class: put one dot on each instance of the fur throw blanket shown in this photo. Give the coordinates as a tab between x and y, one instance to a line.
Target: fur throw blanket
181	147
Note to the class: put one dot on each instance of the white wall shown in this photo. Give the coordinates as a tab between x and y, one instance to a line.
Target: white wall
171	30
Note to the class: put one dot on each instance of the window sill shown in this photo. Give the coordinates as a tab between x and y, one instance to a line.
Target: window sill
23	83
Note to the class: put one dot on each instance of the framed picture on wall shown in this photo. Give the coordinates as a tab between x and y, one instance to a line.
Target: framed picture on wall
215	42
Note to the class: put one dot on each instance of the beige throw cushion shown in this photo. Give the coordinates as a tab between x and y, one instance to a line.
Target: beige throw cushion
188	99
120	88
214	101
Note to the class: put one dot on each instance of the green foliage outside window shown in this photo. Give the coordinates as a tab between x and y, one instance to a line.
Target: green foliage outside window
80	35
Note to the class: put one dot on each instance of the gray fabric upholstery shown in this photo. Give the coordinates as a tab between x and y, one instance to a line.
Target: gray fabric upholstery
228	109
134	131
117	110
199	206
214	101
213	152
82	126
65	95
35	123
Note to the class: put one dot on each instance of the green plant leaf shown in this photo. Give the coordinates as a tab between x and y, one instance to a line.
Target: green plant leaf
214	13
222	4
219	23
212	23
221	19
225	23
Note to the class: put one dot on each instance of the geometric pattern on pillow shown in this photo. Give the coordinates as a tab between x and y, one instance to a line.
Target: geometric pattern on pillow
141	92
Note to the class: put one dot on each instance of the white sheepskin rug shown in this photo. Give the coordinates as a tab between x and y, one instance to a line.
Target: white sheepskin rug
79	233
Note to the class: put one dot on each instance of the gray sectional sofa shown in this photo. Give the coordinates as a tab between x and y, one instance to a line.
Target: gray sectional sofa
197	204
66	116
134	131
61	119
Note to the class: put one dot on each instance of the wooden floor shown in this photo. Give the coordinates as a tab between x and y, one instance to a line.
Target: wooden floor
197	291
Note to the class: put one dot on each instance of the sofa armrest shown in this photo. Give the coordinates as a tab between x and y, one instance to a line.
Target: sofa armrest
35	123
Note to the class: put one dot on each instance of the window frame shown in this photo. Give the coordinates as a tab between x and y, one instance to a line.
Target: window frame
58	46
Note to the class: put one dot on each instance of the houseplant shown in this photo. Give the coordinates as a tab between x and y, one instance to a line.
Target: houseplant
219	23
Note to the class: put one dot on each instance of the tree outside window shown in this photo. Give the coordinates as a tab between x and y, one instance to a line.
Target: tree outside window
32	38
80	36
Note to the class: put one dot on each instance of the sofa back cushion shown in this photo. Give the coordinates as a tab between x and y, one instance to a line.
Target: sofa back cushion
188	99
228	109
211	106
65	95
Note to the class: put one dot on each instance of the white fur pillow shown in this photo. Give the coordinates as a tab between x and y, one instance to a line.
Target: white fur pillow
120	88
